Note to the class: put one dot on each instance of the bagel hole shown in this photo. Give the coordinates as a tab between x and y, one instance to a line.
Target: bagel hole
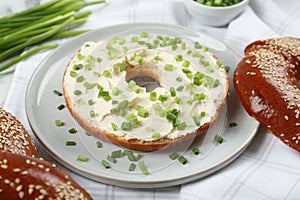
144	81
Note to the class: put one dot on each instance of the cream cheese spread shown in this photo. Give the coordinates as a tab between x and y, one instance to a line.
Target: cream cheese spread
145	86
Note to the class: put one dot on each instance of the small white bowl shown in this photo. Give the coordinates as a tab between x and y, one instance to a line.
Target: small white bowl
214	16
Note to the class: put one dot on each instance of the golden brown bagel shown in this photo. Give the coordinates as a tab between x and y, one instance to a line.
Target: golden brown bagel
13	136
266	83
24	177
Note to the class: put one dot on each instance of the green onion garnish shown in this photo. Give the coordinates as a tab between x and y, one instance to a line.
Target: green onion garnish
82	158
91	102
70	143
179	79
153	96
169	67
98	144
105	164
73	74
142	112
173	156
138	59
116	91
196	151
202	114
122	67
114	126
127	152
156	58
177	100
92	114
107	74
111	159
182	160
181	126
180	88
178	58
77	92
77	66
72	130
227	68
186	63
116	154
80	79
232	124
143	168
218	139
59	122
173	92
131	85
56	92
155	136
199	97
61	106
163	98
131	167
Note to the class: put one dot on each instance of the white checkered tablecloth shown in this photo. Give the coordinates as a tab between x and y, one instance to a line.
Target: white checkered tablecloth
268	169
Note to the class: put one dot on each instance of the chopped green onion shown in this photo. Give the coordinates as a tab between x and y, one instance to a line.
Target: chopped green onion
169	67
61	106
155	136
70	143
199	97
138	59
107	74
142	112
80	79
77	67
77	92
181	126
232	124
82	158
163	98
173	156
116	154
182	160
218	139
73	74
197	45
227	68
131	85
173	92
114	102
116	91
122	67
186	63
111	159
56	92
127	152
144	34
156	58
131	167
143	168
91	102
114	126
153	96
179	79
98	144
177	100
105	164
196	151
180	88
183	46
178	58
92	114
59	122
72	131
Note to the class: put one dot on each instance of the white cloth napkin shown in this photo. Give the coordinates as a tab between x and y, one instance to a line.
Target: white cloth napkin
268	169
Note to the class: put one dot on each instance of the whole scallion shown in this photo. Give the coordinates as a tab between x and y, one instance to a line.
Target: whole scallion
42	23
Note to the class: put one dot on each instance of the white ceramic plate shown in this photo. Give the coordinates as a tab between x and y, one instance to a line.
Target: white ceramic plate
41	107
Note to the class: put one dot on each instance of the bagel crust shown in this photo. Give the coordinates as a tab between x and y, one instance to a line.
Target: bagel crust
105	92
13	136
266	83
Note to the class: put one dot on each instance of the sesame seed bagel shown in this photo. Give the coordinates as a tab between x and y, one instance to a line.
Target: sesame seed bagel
266	83
24	177
145	91
13	136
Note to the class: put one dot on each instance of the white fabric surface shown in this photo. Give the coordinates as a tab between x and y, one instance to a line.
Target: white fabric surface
268	169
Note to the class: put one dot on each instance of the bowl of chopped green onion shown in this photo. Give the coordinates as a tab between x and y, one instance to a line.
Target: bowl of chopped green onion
215	12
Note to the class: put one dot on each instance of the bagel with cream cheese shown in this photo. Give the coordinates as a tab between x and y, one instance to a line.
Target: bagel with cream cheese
145	91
